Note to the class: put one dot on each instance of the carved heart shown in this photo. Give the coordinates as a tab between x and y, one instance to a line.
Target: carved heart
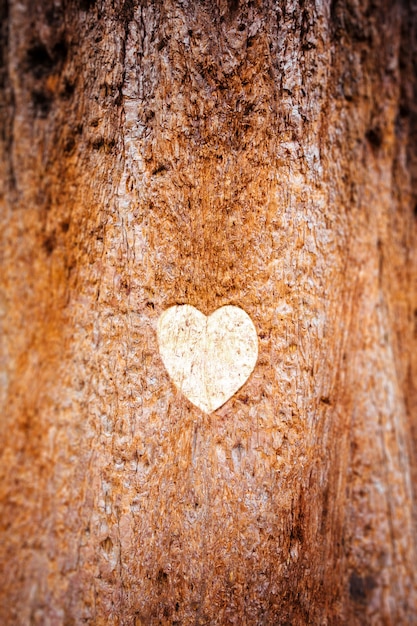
208	358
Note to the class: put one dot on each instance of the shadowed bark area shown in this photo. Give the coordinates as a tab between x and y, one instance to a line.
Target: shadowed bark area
246	153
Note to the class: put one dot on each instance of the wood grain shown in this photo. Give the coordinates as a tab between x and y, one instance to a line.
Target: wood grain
245	153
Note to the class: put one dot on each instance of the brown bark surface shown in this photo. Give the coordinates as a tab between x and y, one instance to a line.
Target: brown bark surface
254	153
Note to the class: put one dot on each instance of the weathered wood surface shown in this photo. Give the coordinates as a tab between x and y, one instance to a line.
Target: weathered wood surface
256	154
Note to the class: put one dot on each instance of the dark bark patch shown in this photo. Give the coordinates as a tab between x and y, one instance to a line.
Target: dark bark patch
159	170
127	11
69	145
69	139
233	5
345	19
404	110
86	5
67	90
333	10
53	15
97	143
4	12
360	587
161	45
124	284
374	137
4	37
42	102
162	577
59	52
41	62
49	244
297	532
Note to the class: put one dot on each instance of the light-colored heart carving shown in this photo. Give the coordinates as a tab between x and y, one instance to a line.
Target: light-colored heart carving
208	358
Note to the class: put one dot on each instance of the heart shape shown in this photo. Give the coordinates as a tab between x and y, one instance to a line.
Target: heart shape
208	358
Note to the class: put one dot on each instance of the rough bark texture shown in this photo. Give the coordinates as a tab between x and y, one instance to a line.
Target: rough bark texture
254	153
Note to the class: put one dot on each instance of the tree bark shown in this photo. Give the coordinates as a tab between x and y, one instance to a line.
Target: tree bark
210	153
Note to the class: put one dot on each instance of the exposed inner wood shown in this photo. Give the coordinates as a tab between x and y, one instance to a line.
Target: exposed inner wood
208	358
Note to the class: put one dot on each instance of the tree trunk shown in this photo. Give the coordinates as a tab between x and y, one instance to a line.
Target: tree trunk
210	153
